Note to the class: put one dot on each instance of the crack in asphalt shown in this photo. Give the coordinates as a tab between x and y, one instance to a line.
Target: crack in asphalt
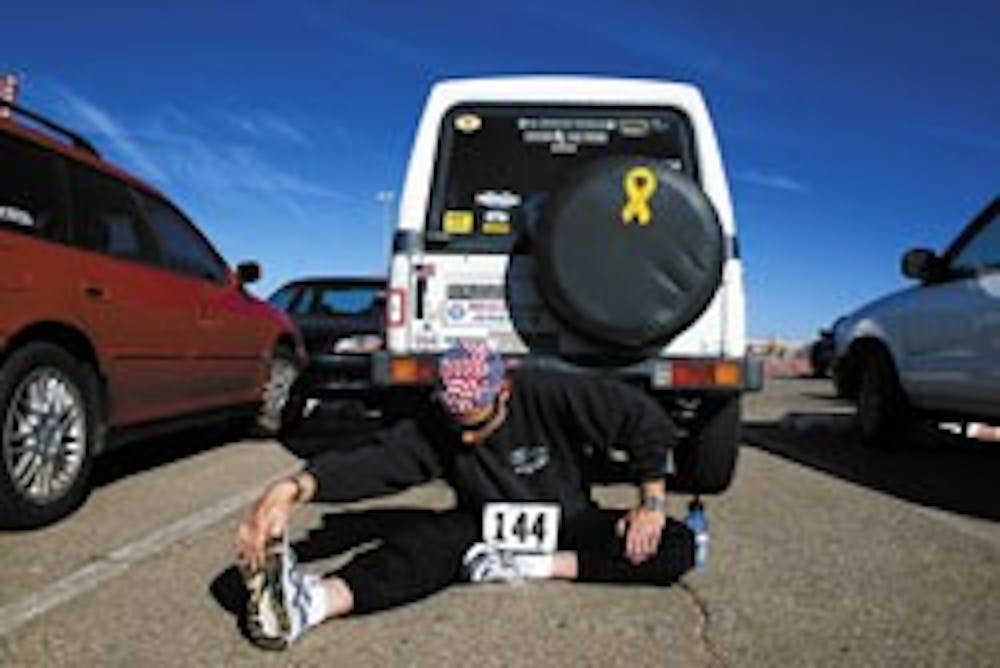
704	624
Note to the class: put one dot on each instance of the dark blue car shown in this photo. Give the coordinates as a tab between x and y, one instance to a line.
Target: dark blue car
342	321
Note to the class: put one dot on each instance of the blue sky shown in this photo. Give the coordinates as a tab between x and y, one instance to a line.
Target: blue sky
851	131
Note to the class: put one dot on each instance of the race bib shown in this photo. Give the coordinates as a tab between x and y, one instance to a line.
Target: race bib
521	527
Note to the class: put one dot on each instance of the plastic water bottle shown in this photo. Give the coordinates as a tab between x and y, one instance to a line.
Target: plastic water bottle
697	522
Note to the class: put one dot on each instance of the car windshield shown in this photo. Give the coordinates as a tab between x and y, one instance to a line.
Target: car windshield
338	299
983	250
499	165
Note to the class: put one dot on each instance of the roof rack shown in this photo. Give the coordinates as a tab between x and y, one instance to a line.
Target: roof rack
77	141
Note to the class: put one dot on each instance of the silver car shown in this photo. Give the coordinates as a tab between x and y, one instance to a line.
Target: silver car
932	350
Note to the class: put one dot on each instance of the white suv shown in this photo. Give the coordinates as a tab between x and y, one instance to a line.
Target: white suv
579	223
932	350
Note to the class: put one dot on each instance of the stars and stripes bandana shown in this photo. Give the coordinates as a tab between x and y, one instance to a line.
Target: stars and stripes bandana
470	374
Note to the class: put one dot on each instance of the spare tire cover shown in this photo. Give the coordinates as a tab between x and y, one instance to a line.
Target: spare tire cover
627	260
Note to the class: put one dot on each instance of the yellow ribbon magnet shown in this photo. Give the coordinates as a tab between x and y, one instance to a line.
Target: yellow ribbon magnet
640	185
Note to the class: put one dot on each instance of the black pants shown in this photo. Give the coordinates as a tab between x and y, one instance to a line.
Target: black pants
425	556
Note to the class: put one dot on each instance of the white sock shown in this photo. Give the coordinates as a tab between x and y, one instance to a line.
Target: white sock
318	603
534	566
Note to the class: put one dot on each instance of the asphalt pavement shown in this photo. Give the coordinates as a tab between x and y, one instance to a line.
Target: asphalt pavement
823	553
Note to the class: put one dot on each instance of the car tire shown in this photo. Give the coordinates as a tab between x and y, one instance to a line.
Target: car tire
705	460
843	386
883	414
51	425
282	403
820	368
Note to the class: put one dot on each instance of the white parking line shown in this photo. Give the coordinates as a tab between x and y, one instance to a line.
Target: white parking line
116	562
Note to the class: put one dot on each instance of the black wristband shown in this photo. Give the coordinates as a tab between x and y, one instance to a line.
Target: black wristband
299	489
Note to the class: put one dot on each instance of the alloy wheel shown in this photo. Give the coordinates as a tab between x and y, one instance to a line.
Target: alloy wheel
44	435
278	388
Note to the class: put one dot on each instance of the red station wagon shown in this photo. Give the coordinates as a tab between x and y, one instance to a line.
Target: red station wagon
118	319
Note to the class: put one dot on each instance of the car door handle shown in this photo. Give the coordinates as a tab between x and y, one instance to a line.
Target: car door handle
95	292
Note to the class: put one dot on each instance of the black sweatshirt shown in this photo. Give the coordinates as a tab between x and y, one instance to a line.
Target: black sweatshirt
558	428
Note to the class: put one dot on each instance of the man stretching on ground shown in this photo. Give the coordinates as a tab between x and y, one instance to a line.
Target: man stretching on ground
524	437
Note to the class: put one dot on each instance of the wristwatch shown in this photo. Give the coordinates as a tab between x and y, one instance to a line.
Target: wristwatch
657	504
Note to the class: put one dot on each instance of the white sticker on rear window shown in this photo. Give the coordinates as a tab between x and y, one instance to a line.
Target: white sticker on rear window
12	214
494	199
496	216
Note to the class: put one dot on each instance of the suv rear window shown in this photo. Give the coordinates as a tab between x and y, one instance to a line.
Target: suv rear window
498	165
32	197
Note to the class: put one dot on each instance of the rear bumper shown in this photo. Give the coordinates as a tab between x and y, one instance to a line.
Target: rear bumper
337	375
669	375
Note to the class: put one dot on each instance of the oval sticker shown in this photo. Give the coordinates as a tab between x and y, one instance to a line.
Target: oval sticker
468	123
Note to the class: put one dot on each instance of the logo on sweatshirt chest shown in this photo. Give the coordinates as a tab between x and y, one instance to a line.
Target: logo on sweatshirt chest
529	459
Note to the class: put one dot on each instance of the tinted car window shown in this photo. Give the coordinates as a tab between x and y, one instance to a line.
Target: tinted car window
305	301
32	198
347	301
283	298
983	250
339	300
499	165
184	250
105	217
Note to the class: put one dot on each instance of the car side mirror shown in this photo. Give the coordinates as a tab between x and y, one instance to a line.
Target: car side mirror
921	263
247	272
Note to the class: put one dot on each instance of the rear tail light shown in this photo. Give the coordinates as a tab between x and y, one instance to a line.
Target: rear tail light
412	370
729	374
697	373
395	308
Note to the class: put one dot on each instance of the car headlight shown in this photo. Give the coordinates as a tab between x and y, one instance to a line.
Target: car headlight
358	343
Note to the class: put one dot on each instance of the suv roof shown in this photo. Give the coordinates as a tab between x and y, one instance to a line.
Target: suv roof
76	140
557	91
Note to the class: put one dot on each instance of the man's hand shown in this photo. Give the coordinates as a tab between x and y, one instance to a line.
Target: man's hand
267	519
642	529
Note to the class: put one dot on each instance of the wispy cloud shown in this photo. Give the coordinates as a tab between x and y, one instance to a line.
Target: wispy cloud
773	181
208	166
265	124
102	122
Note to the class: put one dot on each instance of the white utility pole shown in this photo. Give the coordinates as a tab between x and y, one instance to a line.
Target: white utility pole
386	197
